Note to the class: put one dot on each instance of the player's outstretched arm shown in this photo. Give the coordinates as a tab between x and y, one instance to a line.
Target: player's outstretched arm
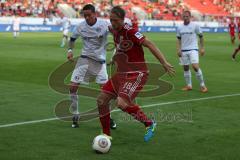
158	54
202	50
179	52
70	48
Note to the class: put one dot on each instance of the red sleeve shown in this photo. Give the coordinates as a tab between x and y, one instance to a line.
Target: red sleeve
135	36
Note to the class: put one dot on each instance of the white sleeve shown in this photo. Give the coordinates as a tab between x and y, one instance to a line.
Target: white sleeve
76	32
107	23
178	32
198	30
58	22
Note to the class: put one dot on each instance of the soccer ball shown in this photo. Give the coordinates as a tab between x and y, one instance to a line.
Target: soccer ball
101	144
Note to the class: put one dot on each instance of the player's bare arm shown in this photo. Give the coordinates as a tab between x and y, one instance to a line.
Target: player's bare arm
202	50
158	54
70	48
179	53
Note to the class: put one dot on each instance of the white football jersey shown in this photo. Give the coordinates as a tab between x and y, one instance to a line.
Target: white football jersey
94	39
188	34
65	22
16	23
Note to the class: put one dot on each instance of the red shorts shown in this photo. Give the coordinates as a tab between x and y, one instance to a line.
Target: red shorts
232	34
126	85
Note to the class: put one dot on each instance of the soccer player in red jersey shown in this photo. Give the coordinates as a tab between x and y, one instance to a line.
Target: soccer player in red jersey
231	27
131	74
238	28
235	53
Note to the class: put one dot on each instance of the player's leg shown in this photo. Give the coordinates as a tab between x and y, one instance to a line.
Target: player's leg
18	33
79	76
232	38
104	111
135	111
199	76
188	78
128	90
14	34
194	59
235	52
74	104
185	61
65	38
102	77
113	124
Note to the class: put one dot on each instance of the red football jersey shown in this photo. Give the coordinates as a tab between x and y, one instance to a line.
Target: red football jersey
232	27
129	52
239	27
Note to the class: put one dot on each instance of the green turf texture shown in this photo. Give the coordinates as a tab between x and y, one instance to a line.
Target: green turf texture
203	130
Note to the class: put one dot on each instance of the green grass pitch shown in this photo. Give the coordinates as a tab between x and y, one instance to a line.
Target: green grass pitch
205	129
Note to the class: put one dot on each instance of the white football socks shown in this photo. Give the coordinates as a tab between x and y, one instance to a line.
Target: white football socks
63	41
188	78
74	105
14	34
199	76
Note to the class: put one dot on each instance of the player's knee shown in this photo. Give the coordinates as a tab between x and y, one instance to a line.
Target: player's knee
195	67
122	103
102	100
73	88
185	68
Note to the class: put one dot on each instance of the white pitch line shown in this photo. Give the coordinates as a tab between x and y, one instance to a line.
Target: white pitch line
146	106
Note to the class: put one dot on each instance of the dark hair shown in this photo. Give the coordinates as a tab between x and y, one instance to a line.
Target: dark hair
89	7
187	11
118	11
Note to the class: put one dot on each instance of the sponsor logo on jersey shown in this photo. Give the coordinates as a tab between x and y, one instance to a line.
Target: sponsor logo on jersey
76	78
139	35
98	29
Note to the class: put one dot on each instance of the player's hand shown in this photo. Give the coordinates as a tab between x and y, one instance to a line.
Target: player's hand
70	56
179	53
202	51
169	69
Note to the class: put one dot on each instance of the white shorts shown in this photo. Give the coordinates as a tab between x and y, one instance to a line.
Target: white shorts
65	32
189	57
16	28
88	69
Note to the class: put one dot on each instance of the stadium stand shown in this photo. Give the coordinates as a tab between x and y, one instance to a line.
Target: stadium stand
147	9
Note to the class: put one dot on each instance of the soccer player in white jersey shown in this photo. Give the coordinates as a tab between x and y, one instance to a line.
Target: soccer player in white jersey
187	50
66	24
92	62
16	26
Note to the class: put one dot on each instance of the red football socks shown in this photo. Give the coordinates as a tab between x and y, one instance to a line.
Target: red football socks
138	114
104	116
